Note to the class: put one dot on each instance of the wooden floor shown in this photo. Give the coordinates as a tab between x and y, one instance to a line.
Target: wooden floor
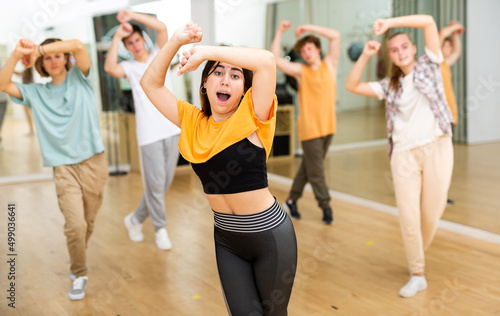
354	267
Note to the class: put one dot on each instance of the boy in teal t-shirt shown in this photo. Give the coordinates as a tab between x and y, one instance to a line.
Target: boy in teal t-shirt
67	123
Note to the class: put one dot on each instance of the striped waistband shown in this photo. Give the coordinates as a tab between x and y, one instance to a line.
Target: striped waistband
253	223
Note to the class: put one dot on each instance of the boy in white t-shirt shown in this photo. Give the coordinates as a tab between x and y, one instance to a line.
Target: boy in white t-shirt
157	137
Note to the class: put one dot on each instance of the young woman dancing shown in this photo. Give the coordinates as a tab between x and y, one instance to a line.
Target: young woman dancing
228	142
419	131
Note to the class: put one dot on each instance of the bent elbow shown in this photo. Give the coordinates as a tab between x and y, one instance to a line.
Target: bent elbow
269	59
349	87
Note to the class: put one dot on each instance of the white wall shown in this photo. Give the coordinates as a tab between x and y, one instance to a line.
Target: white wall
483	71
240	23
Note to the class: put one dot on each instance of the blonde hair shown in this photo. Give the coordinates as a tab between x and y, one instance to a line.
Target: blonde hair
39	62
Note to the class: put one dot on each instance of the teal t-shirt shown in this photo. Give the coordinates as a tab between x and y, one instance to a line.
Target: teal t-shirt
66	118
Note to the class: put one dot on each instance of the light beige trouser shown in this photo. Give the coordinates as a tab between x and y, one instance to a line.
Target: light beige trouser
79	190
421	179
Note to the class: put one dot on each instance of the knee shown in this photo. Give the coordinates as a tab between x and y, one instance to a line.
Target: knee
75	230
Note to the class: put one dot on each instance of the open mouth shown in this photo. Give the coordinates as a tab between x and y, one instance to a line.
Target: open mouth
223	96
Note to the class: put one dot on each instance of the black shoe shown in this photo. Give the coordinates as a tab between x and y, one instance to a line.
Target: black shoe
291	208
327	215
449	202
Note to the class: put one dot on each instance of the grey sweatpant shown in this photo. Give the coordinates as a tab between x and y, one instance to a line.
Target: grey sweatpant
158	162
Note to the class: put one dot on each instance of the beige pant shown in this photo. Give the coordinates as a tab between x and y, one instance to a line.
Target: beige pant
79	190
421	179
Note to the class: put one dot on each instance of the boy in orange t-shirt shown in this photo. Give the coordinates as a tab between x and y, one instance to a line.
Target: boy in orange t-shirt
317	97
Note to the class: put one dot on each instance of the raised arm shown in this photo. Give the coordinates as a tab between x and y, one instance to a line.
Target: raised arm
424	22
153	80
290	68
74	46
24	49
353	83
454	29
332	56
124	16
111	65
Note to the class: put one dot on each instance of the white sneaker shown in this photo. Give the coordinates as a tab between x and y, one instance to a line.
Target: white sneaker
77	291
162	240
72	276
416	284
134	230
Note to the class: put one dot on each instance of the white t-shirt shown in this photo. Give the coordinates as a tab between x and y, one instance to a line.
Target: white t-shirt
151	125
414	123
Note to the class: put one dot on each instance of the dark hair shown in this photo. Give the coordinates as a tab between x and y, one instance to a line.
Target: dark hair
28	76
394	71
135	29
39	61
307	39
207	71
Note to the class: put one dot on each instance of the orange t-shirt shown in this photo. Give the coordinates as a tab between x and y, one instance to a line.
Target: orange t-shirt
317	98
202	138
448	90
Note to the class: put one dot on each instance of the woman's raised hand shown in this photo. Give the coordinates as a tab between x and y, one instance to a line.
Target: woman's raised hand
191	59
380	26
371	48
188	34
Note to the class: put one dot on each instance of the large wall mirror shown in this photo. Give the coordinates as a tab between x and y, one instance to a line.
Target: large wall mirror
357	163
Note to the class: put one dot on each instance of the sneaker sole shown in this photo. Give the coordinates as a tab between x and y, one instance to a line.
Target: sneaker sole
76	297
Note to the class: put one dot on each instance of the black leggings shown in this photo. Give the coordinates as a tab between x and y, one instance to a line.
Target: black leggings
256	258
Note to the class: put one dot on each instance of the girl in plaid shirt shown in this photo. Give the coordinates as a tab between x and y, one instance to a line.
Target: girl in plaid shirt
419	133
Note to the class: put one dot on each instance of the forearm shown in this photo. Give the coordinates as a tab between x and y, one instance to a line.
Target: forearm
112	55
354	78
457	43
8	70
69	46
276	44
414	21
155	74
149	21
327	32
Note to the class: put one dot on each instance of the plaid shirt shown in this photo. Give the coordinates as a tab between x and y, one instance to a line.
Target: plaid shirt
428	80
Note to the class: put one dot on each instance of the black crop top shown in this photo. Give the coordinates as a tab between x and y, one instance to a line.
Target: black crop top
239	168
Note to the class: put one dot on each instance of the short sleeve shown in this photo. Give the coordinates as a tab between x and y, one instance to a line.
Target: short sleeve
186	111
25	91
88	79
378	89
437	59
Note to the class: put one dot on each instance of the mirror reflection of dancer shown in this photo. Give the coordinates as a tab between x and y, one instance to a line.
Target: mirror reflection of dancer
67	123
419	130
157	137
228	142
451	46
317	83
